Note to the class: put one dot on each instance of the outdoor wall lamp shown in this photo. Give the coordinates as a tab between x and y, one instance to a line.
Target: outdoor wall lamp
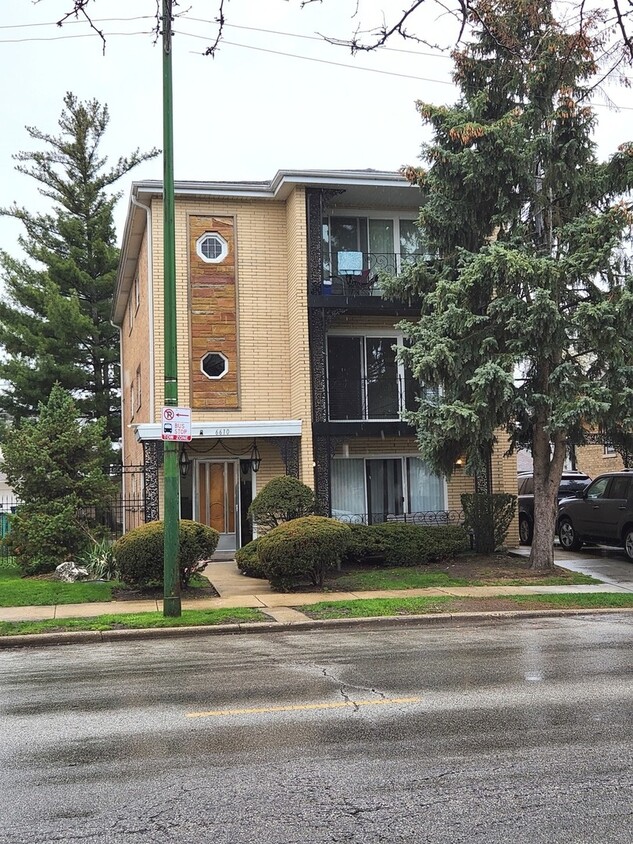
184	463
256	459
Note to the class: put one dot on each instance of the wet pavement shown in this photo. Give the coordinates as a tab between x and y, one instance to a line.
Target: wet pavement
482	733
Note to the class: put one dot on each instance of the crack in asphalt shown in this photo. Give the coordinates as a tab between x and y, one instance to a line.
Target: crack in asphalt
343	686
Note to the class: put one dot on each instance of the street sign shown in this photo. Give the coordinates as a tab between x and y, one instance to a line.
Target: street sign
176	424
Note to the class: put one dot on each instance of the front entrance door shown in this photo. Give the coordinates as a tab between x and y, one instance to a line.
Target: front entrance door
217	499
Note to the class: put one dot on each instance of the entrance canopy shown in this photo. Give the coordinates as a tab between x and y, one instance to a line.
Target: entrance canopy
145	431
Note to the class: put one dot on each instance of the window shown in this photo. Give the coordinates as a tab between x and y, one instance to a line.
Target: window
620	488
132	400
609	450
137	293
214	365
367	381
598	488
373	488
212	248
130	316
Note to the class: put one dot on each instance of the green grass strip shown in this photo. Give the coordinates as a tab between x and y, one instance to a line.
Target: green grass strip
369	607
405	578
133	621
25	592
591	600
375	607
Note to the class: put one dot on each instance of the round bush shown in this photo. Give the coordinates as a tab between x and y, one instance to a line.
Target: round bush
305	547
281	500
248	561
139	554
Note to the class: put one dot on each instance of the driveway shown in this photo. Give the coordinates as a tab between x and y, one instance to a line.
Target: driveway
607	564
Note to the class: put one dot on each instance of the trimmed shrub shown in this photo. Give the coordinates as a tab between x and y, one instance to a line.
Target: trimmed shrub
248	561
305	547
281	500
139	554
489	516
402	544
365	545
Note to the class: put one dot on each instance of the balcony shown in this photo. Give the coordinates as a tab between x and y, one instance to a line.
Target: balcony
357	274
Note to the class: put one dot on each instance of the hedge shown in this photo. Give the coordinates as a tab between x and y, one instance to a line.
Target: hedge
305	547
139	554
402	544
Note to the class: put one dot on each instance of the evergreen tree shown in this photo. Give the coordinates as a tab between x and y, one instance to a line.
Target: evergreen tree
527	306
55	315
55	466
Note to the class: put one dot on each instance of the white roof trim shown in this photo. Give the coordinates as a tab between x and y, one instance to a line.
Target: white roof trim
226	430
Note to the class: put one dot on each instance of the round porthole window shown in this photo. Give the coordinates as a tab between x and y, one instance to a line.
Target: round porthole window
212	247
214	365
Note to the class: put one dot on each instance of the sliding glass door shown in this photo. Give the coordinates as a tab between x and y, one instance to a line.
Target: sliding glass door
370	489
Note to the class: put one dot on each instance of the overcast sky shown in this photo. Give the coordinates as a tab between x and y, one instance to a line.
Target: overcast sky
268	101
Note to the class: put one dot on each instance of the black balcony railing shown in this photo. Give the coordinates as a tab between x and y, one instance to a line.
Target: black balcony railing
358	273
428	518
385	396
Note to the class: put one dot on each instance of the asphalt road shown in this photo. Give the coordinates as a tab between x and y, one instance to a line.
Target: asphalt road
520	731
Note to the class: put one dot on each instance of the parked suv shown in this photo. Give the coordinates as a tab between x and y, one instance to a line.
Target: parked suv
571	482
602	513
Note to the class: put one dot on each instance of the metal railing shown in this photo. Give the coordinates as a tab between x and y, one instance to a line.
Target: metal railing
424	518
382	397
360	275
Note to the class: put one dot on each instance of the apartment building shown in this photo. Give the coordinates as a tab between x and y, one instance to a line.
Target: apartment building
286	348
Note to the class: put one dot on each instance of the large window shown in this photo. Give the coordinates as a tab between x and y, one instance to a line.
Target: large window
371	489
365	379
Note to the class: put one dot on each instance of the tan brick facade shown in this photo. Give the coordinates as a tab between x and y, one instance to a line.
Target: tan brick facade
251	307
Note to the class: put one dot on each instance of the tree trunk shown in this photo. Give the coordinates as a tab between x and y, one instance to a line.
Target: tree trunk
548	469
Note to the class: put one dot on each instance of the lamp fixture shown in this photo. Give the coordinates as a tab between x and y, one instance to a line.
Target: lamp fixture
256	459
184	462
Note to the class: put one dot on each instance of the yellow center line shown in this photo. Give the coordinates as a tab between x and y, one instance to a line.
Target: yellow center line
303	707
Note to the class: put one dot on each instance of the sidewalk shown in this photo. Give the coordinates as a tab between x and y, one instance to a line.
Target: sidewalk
238	591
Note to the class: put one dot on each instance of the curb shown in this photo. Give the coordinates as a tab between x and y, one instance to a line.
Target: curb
38	640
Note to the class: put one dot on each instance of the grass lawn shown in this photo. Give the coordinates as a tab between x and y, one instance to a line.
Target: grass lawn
189	618
16	591
373	607
420	577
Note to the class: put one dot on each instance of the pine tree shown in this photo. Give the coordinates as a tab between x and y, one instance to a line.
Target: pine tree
55	315
526	308
55	466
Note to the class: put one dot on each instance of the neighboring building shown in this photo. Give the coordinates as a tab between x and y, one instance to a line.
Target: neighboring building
285	347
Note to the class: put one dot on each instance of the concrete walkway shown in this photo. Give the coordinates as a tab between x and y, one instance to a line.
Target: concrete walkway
235	590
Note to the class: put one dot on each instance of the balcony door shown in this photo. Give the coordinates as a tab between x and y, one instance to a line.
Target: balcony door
216	499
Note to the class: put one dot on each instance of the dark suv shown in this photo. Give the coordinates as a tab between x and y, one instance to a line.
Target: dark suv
570	483
602	513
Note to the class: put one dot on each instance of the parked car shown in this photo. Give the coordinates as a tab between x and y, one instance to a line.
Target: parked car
571	482
601	513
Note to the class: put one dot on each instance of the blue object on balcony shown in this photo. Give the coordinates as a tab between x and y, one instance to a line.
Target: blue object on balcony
350	262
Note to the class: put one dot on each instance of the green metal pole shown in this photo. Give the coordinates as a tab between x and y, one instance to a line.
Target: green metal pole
171	579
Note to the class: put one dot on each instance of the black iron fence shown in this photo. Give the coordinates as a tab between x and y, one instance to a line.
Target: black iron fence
116	517
423	518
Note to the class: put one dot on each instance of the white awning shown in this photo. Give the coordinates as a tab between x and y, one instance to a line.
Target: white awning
226	430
